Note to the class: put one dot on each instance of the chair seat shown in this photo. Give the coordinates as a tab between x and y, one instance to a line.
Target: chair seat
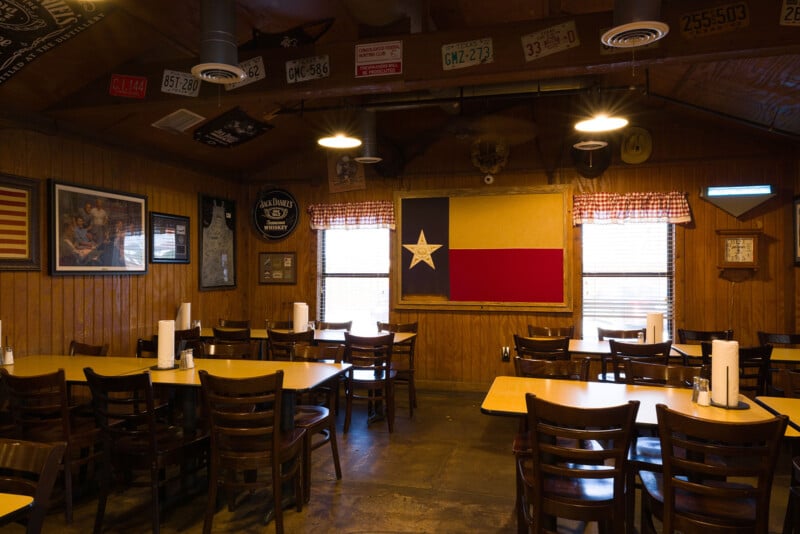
307	415
737	511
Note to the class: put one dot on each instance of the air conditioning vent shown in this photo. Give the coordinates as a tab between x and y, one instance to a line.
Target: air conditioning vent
218	73
635	34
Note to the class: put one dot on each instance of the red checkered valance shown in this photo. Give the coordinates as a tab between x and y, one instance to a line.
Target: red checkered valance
377	214
630	208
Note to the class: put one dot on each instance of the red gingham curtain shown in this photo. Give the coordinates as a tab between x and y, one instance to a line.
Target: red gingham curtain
630	208
377	214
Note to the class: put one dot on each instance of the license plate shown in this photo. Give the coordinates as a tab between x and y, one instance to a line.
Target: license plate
307	68
790	13
467	54
550	40
254	71
713	20
180	83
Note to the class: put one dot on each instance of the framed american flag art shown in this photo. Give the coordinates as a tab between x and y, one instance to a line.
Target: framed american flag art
19	223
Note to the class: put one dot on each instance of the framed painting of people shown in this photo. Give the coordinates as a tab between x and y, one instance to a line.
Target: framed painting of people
96	231
217	243
19	224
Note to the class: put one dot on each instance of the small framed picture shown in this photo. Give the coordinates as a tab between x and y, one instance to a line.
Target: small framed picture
96	231
277	268
19	223
169	238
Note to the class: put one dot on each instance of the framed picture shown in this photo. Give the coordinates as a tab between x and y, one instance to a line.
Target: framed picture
217	243
796	220
96	231
19	224
277	268
169	238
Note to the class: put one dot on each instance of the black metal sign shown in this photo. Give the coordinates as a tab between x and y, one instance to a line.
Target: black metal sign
275	214
232	128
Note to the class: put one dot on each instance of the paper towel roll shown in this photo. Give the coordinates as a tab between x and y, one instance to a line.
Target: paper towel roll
655	328
183	320
166	344
300	317
725	373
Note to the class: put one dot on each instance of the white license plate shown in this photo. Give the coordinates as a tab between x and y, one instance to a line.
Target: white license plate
307	68
712	20
550	40
790	13
180	83
467	54
254	70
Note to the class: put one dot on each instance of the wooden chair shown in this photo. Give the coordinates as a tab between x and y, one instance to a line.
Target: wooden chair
556	348
551	331
652	352
767	338
755	375
135	440
86	349
315	411
717	476
280	325
30	468
226	335
645	452
561	479
233	323
327	325
791	521
564	369
283	345
189	339
604	334
404	358
686	336
244	350
371	376
41	412
790	384
247	442
147	348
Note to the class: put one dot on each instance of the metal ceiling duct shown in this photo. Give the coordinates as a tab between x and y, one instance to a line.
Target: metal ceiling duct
635	24
219	51
369	139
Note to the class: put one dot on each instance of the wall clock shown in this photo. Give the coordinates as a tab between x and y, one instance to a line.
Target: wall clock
738	249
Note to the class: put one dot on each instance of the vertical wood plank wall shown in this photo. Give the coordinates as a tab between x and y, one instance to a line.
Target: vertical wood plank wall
457	350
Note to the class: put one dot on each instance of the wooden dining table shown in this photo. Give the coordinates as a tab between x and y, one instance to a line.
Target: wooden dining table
506	396
785	406
320	336
12	505
779	354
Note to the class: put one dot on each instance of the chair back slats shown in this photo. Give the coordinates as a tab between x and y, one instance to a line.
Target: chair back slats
647	352
147	348
755	376
86	349
688	336
563	369
790	383
556	348
246	350
551	331
228	335
370	353
658	374
768	338
329	325
39	406
708	467
284	345
234	323
604	334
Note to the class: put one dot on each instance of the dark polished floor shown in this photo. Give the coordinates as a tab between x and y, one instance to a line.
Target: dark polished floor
447	470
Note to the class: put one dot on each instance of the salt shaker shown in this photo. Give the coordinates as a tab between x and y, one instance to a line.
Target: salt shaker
703	394
640	337
695	388
8	356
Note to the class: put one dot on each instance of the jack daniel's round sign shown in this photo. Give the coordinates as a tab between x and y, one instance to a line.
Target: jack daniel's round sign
275	214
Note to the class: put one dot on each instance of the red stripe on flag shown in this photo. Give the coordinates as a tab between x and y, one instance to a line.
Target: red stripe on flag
507	275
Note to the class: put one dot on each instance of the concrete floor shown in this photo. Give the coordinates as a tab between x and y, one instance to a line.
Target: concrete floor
447	470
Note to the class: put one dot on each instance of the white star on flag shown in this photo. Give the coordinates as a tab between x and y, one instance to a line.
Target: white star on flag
422	251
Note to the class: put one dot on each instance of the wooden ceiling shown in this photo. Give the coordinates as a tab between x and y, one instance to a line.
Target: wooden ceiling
729	60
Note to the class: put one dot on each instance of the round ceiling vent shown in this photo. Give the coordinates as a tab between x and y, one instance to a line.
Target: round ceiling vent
218	73
633	34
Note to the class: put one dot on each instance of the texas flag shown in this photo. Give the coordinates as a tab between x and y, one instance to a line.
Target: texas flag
486	248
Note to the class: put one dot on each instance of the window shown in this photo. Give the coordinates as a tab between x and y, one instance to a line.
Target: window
354	277
627	273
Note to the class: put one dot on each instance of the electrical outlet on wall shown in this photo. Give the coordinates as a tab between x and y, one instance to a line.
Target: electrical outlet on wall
505	353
